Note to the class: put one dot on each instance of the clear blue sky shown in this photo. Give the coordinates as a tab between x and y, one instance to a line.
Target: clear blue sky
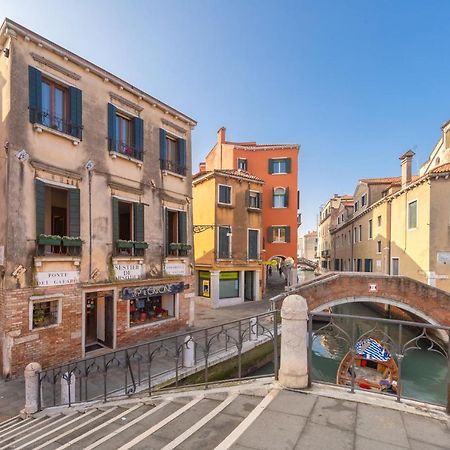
354	82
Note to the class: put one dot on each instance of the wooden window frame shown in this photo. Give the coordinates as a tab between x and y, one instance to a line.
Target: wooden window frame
66	102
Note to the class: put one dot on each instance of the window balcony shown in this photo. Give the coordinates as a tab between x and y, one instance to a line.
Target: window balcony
58	245
125	149
56	123
179	249
130	248
173	166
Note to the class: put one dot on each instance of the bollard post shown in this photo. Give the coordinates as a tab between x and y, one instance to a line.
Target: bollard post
189	352
68	388
294	354
31	376
253	332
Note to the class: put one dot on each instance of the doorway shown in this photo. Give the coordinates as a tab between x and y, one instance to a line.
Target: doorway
249	286
99	321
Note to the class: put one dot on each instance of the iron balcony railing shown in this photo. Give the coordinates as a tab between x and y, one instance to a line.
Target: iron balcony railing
391	334
159	364
173	166
57	123
124	148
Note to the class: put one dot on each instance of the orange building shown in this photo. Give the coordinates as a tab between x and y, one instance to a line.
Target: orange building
277	165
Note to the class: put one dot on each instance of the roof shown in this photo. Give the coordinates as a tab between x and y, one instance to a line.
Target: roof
241	174
9	24
442	168
387	180
311	234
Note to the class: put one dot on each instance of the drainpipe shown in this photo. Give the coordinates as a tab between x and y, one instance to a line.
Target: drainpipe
389	236
90	224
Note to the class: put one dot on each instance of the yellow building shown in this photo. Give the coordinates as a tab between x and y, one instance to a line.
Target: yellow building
227	236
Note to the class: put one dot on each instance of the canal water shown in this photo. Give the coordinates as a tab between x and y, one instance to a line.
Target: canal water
424	373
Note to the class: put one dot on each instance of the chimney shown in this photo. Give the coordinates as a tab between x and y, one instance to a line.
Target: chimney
221	135
406	160
202	167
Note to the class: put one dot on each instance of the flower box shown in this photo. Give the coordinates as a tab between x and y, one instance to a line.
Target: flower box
124	244
174	246
45	239
140	245
72	241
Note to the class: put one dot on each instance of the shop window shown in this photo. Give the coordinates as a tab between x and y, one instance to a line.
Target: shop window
147	310
228	284
44	313
242	164
176	233
57	220
224	194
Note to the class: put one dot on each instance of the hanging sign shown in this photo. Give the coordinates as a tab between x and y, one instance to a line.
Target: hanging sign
129	293
57	278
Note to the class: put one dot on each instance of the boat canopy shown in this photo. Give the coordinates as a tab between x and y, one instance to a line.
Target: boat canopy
371	349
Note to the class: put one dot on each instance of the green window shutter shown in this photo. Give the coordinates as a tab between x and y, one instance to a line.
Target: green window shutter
166	229
270	165
182	227
115	220
138	212
260	200
162	147
112	144
34	94
270	234
74	212
286	197
288	233
75	112
40	207
138	137
252	244
288	165
273	197
182	153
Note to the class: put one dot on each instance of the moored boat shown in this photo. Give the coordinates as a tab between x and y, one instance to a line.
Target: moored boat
374	367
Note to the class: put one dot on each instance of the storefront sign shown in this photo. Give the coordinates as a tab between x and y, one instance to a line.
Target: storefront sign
128	271
129	293
175	268
228	276
57	278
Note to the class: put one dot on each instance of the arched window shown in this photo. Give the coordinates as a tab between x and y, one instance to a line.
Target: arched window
280	197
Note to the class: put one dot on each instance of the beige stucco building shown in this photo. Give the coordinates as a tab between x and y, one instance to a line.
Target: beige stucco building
309	246
95	201
400	225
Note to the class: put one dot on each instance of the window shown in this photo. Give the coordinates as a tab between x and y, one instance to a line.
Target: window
147	310
224	250
378	246
280	197
224	194
354	235
282	165
124	130
172	153
242	164
228	284
57	220
356	206
253	244
395	269
339	220
368	265
279	234
176	233
55	105
379	221
360	232
412	215
359	265
370	229
44	313
254	199
128	227
363	200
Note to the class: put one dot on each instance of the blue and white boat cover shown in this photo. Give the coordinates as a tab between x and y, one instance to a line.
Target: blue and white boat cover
370	349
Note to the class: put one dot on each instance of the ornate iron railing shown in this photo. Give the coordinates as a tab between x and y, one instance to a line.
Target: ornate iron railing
124	148
391	334
173	166
163	363
57	123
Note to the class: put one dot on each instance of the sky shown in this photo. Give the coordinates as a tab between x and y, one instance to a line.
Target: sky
355	82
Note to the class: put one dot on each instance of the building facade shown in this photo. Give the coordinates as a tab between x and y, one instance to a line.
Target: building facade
310	246
227	214
277	165
96	207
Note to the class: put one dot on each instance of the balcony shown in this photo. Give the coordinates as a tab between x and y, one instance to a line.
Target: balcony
325	253
56	123
173	166
125	149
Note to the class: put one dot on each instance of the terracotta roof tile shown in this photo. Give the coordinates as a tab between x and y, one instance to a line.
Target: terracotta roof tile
387	180
235	173
442	168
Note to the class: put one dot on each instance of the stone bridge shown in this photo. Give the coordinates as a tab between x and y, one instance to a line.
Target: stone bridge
337	288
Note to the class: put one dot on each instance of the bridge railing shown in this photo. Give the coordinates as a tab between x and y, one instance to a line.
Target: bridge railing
415	347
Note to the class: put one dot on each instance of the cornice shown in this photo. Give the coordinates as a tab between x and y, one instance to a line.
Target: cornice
54	66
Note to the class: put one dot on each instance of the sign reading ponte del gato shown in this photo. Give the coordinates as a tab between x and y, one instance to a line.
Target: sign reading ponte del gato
129	293
57	278
128	271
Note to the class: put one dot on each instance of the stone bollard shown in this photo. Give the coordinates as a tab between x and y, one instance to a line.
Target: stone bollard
191	312
253	332
294	354
188	352
31	388
68	388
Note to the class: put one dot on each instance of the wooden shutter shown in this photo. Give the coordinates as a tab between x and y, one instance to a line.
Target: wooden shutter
112	144
286	197
287	231
40	207
75	112
74	212
288	165
138	137
34	94
270	165
224	242
253	244
115	220
270	234
138	213
182	154
162	147
273	197
182	227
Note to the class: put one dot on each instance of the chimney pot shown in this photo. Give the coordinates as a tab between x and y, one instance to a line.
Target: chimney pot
202	167
406	164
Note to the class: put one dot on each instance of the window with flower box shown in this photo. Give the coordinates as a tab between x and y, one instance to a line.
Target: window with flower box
44	313
176	233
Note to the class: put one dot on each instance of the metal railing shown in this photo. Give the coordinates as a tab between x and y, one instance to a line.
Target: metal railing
343	331
124	148
57	123
158	364
173	166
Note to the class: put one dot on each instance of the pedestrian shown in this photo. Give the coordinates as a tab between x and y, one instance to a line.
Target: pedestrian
280	270
270	271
